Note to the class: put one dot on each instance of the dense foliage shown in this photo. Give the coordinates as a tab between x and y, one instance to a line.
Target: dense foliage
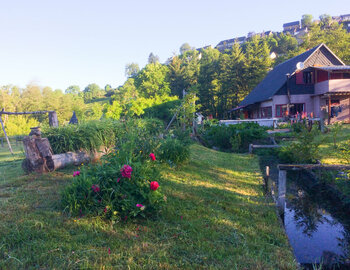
304	150
233	137
89	136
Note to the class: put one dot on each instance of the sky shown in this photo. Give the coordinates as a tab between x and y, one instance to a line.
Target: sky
59	43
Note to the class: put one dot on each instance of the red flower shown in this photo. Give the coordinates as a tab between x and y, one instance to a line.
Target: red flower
154	185
95	188
152	156
77	173
126	171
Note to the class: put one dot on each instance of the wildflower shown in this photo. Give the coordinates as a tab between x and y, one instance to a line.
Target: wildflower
77	173
105	210
154	185
118	180
109	251
139	205
152	156
95	188
126	171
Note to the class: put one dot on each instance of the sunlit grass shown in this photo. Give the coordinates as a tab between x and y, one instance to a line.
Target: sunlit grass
216	217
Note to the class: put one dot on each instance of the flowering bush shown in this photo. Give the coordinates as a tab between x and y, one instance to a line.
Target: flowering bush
115	190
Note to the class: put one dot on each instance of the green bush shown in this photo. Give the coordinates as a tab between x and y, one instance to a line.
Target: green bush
111	191
88	136
173	151
233	137
304	150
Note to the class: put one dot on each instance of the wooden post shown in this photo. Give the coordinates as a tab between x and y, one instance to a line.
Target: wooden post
251	148
7	139
53	121
267	171
282	187
329	109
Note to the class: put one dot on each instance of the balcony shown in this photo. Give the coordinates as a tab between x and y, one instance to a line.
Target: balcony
339	85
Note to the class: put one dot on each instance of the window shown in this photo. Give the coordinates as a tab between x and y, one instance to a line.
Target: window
307	77
297	108
281	110
266	112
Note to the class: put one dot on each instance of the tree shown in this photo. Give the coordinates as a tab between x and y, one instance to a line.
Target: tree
131	70
153	59
326	20
306	20
92	91
185	47
153	80
73	89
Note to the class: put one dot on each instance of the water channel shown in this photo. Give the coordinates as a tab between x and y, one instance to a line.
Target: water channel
316	223
318	231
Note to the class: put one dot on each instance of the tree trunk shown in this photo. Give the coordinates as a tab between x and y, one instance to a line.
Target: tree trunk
40	158
38	154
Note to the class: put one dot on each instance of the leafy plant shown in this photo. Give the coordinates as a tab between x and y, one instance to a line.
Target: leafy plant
233	137
173	151
335	129
115	189
303	150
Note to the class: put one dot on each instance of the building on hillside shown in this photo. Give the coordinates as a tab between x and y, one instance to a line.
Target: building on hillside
291	27
316	83
228	43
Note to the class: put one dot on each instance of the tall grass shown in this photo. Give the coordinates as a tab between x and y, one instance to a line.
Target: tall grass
88	136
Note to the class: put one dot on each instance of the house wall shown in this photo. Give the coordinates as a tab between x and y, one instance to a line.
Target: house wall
283	99
332	86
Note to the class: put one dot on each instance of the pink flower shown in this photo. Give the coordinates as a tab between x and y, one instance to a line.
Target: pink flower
126	171
77	173
95	188
139	205
152	156
118	180
105	210
154	185
109	251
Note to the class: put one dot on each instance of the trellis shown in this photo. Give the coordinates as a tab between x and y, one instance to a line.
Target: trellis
53	121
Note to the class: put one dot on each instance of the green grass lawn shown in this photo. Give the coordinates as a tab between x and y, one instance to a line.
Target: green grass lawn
329	154
216	217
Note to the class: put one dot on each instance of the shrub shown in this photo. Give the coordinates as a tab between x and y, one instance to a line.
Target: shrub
88	136
115	190
173	151
303	150
233	137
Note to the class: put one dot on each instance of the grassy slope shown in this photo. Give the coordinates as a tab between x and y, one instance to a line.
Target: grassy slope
329	154
216	217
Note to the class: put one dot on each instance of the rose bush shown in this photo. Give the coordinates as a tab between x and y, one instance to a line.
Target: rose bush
115	190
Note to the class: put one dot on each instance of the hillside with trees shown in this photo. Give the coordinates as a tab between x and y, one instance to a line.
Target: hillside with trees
219	80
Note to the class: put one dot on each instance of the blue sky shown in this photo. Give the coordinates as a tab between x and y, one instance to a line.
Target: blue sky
77	42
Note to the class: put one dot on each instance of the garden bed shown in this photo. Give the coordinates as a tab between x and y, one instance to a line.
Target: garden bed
216	216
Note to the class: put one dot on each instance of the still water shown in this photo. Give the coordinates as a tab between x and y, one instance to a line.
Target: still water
317	230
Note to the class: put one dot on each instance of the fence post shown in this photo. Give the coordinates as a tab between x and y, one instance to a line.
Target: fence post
53	121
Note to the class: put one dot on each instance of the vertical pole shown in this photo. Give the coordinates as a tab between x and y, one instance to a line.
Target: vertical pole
267	171
53	121
329	109
282	187
7	139
2	142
